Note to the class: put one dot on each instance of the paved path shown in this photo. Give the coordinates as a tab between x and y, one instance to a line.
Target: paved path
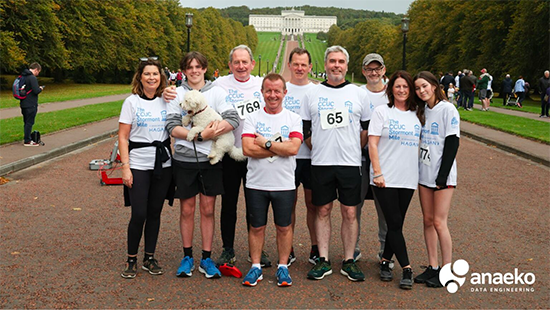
498	109
56	106
63	239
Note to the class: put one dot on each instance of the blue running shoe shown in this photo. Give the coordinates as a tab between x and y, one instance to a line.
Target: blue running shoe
186	268
208	267
253	276
283	277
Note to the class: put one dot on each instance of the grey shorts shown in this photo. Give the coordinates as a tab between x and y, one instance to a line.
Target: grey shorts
482	94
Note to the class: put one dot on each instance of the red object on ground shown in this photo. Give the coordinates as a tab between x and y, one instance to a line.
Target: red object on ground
229	270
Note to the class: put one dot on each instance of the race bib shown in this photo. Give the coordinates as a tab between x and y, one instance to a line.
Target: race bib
334	118
246	107
424	155
275	138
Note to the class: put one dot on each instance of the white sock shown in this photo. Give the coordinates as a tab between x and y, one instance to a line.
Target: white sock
257	266
435	268
281	265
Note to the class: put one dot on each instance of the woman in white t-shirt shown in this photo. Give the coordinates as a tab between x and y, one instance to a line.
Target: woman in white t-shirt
144	147
437	171
394	133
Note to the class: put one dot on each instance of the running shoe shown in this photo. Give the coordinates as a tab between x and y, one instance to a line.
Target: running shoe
152	265
357	255
321	269
313	255
264	261
186	268
130	271
208	267
352	271
428	273
291	258
283	277
406	282
253	276
434	281
379	256
227	256
385	271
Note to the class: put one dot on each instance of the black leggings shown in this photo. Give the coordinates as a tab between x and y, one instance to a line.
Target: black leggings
233	173
146	198
394	203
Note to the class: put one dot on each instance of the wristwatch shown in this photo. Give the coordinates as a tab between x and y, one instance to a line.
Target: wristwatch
267	145
199	137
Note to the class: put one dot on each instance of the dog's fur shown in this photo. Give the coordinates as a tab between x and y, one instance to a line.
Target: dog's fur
194	102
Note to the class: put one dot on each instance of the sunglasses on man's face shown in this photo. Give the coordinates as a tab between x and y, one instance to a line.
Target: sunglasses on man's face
148	58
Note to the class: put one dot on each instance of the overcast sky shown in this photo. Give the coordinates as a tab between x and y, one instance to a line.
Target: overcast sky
396	6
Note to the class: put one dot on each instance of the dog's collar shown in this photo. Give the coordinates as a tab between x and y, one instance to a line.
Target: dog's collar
201	110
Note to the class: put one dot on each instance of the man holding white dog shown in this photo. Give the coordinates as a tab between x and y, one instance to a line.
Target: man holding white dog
193	173
271	139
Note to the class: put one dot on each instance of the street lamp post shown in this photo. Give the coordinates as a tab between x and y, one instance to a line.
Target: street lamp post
189	24
404	29
260	68
267	70
316	68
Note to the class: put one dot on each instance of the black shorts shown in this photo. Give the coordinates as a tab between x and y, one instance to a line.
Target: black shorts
303	173
189	182
331	182
257	204
438	189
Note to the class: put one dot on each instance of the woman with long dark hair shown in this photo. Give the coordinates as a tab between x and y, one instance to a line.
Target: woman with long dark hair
144	147
437	171
394	133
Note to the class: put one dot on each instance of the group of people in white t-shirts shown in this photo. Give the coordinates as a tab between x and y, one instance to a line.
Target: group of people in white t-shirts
380	141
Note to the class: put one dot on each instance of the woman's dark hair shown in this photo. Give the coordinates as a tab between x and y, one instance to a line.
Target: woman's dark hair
410	103
188	58
432	80
137	88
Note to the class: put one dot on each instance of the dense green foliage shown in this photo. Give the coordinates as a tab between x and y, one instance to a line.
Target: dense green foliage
102	40
346	17
503	36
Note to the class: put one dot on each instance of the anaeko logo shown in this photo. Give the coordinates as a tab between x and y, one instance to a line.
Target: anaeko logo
453	276
452	281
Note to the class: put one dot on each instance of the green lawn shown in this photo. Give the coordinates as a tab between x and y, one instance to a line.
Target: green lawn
268	44
12	128
532	129
529	105
63	91
317	50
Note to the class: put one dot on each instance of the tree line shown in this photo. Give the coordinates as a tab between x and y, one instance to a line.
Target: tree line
346	18
506	37
102	40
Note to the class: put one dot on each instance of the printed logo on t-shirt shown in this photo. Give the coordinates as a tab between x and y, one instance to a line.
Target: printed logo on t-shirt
292	104
399	132
417	130
234	96
324	104
143	117
263	129
285	131
454	122
434	128
349	105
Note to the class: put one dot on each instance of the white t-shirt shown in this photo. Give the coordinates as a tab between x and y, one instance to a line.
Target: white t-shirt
293	101
339	146
399	133
215	97
376	99
278	174
147	118
441	121
245	97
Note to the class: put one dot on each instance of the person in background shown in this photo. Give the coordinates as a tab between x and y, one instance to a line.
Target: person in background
437	172
544	84
507	88
451	93
520	90
394	167
29	105
144	148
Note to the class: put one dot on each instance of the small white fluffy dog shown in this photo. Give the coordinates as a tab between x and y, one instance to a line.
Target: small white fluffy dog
200	114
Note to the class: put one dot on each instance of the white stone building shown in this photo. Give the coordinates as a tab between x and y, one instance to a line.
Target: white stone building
291	22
